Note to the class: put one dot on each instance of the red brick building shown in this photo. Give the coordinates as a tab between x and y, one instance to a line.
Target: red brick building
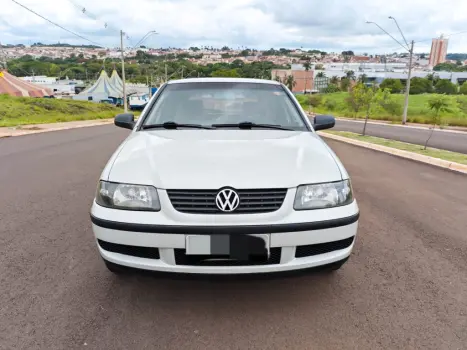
303	79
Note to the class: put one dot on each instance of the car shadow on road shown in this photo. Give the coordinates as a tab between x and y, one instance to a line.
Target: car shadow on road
234	294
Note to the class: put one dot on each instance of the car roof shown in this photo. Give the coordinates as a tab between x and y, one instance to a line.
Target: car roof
223	80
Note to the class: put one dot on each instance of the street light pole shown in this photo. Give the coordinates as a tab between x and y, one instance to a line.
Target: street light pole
125	107
407	88
409	74
122	49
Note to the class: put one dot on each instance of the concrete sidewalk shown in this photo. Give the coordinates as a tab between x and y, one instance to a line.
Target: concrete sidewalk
39	128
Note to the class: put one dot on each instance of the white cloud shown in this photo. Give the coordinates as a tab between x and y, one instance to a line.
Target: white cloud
327	25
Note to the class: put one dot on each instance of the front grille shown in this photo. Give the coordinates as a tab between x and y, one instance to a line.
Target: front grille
209	260
253	201
303	251
140	252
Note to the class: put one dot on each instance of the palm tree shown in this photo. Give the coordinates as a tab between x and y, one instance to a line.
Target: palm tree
277	78
307	66
350	74
290	82
334	80
321	75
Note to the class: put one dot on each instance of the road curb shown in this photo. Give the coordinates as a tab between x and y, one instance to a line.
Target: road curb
461	168
67	127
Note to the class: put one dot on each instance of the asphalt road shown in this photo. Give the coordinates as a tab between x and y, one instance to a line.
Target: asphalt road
456	142
403	288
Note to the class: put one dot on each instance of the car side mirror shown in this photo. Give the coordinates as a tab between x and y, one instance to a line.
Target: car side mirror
322	122
125	120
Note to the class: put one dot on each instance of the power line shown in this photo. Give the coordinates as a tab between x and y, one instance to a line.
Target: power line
87	13
427	40
55	24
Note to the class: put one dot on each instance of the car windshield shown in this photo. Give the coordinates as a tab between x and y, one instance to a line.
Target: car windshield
208	103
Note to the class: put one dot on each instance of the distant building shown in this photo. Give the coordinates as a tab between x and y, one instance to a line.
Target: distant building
304	81
439	49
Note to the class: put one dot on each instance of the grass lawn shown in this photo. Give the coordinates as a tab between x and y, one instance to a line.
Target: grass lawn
418	112
15	111
431	152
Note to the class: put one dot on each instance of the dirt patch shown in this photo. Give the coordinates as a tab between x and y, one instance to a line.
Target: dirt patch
30	128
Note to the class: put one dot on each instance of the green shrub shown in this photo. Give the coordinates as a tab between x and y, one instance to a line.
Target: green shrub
463	89
330	105
444	86
331	88
315	100
394	85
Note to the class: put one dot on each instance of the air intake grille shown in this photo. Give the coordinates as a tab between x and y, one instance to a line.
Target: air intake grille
204	201
303	251
140	252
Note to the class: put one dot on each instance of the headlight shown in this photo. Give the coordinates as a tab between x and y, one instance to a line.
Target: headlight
326	195
126	196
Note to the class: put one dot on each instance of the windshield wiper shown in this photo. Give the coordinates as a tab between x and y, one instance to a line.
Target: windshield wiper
250	125
174	125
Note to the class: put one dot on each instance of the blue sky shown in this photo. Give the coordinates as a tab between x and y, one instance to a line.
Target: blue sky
331	25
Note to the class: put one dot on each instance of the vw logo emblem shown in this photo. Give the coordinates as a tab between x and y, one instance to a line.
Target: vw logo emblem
227	200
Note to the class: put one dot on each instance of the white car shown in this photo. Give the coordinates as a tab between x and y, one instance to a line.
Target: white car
224	176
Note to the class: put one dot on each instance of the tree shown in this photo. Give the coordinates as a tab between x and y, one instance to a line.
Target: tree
433	77
394	85
307	66
437	104
290	82
420	86
350	74
444	86
225	48
345	84
225	73
277	78
331	88
368	98
319	67
463	89
321	75
334	80
353	103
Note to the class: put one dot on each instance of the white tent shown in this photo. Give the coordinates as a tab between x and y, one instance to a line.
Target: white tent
101	90
116	81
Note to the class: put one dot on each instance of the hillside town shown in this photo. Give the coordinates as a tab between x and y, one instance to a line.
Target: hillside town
210	55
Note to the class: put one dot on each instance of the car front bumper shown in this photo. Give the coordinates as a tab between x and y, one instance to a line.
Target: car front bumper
295	244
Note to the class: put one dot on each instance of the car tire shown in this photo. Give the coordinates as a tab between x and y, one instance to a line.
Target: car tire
115	269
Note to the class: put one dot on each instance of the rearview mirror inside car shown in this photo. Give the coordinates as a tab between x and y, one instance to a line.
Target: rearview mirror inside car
125	120
322	122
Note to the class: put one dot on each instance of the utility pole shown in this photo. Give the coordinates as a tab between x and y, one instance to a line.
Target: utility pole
125	106
407	88
410	51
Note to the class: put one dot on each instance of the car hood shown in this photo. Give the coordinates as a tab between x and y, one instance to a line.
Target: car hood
211	159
